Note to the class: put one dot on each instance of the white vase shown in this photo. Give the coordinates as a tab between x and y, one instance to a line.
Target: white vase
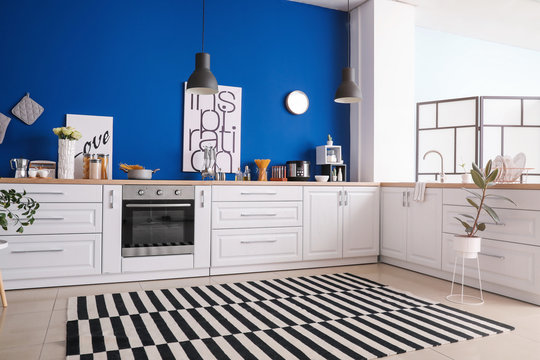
467	247
66	159
465	178
329	142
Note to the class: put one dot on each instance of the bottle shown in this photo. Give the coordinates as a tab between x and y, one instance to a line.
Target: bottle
334	176
104	165
247	174
86	165
339	175
95	169
239	175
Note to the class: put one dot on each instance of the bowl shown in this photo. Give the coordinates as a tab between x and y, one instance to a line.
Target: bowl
321	178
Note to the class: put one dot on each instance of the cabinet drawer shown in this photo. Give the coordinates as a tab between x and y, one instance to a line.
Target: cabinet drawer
157	263
519	226
513	265
256	193
45	193
258	246
42	256
52	218
524	199
227	215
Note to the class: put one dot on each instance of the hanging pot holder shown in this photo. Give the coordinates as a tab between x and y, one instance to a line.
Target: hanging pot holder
27	110
4	122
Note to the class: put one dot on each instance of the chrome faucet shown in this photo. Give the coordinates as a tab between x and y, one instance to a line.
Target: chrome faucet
442	164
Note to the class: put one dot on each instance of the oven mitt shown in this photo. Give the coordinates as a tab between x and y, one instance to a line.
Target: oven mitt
27	110
4	122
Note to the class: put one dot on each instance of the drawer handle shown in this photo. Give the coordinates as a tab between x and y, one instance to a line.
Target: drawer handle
269	214
157	205
50	218
494	223
44	193
258	193
493	256
257	241
35	251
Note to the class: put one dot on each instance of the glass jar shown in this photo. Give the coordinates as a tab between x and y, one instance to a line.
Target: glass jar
86	165
104	165
95	169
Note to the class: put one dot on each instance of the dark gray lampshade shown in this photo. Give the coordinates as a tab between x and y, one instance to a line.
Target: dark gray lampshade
348	92
202	81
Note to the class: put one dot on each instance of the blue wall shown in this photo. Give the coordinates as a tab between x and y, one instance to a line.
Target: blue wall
129	59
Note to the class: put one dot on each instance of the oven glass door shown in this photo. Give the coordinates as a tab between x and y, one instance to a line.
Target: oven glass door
157	227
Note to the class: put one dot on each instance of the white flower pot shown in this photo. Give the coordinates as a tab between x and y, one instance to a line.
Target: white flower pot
467	247
465	178
329	142
66	159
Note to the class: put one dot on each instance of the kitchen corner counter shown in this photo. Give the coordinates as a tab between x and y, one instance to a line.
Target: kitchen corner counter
178	182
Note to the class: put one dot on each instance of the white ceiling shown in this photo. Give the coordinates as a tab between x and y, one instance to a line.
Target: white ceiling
511	22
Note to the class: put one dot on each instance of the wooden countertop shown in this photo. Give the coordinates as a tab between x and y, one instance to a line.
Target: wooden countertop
178	182
460	185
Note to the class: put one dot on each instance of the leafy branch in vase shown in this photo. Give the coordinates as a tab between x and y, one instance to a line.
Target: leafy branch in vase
16	209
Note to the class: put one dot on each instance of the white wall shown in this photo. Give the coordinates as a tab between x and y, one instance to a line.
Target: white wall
453	66
385	120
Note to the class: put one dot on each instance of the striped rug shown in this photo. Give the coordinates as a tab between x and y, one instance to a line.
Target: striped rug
333	316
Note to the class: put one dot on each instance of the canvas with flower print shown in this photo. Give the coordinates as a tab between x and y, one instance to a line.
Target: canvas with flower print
212	120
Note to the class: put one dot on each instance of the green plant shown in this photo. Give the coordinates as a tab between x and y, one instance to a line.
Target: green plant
16	209
483	180
462	165
329	137
67	133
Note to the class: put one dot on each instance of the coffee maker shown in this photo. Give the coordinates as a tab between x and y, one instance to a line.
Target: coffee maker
20	166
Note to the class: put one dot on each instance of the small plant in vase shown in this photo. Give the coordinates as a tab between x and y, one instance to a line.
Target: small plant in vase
66	151
469	245
329	141
465	177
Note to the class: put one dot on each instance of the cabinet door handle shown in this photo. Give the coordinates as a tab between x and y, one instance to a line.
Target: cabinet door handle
408	202
340	195
50	218
35	251
111	199
45	193
254	214
346	197
202	198
493	256
403	204
494	223
258	241
259	193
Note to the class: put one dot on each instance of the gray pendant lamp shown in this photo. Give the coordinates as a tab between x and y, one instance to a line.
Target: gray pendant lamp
348	92
202	81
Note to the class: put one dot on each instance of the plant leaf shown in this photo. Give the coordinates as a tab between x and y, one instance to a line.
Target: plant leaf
477	178
492	213
500	197
491	177
467	227
481	227
473	193
475	167
470	201
467	216
487	170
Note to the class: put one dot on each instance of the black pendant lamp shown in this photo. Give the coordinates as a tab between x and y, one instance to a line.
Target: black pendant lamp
202	81
348	92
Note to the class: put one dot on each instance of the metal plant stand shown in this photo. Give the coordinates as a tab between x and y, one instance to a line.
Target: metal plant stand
461	298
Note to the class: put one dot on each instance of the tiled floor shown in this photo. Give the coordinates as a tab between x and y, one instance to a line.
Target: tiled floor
33	326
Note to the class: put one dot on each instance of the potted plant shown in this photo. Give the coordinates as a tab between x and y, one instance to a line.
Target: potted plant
469	245
329	140
66	151
465	177
16	209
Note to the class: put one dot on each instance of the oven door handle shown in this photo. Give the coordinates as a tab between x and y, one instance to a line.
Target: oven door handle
157	205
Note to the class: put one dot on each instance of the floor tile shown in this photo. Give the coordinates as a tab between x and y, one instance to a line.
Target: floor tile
21	353
498	347
27	306
14	296
24	329
175	283
426	354
221	279
57	327
69	291
53	351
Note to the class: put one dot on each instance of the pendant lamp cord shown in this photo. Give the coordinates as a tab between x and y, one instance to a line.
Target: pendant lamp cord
202	26
348	33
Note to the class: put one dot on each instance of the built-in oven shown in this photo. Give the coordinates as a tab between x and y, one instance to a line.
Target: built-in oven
157	220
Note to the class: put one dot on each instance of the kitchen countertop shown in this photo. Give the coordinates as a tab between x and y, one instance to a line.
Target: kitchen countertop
254	183
177	182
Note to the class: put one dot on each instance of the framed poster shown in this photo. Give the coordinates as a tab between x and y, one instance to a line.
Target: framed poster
97	138
212	120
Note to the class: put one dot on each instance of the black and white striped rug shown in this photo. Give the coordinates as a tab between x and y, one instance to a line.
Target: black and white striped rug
336	316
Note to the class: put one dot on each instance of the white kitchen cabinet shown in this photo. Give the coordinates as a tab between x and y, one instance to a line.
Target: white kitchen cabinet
202	226
256	214
411	230
361	221
340	222
59	193
112	229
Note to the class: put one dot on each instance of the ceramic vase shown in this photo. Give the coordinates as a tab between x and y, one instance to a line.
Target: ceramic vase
66	159
467	247
465	178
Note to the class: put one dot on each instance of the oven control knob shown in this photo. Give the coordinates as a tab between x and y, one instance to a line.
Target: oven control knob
159	192
140	192
177	192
